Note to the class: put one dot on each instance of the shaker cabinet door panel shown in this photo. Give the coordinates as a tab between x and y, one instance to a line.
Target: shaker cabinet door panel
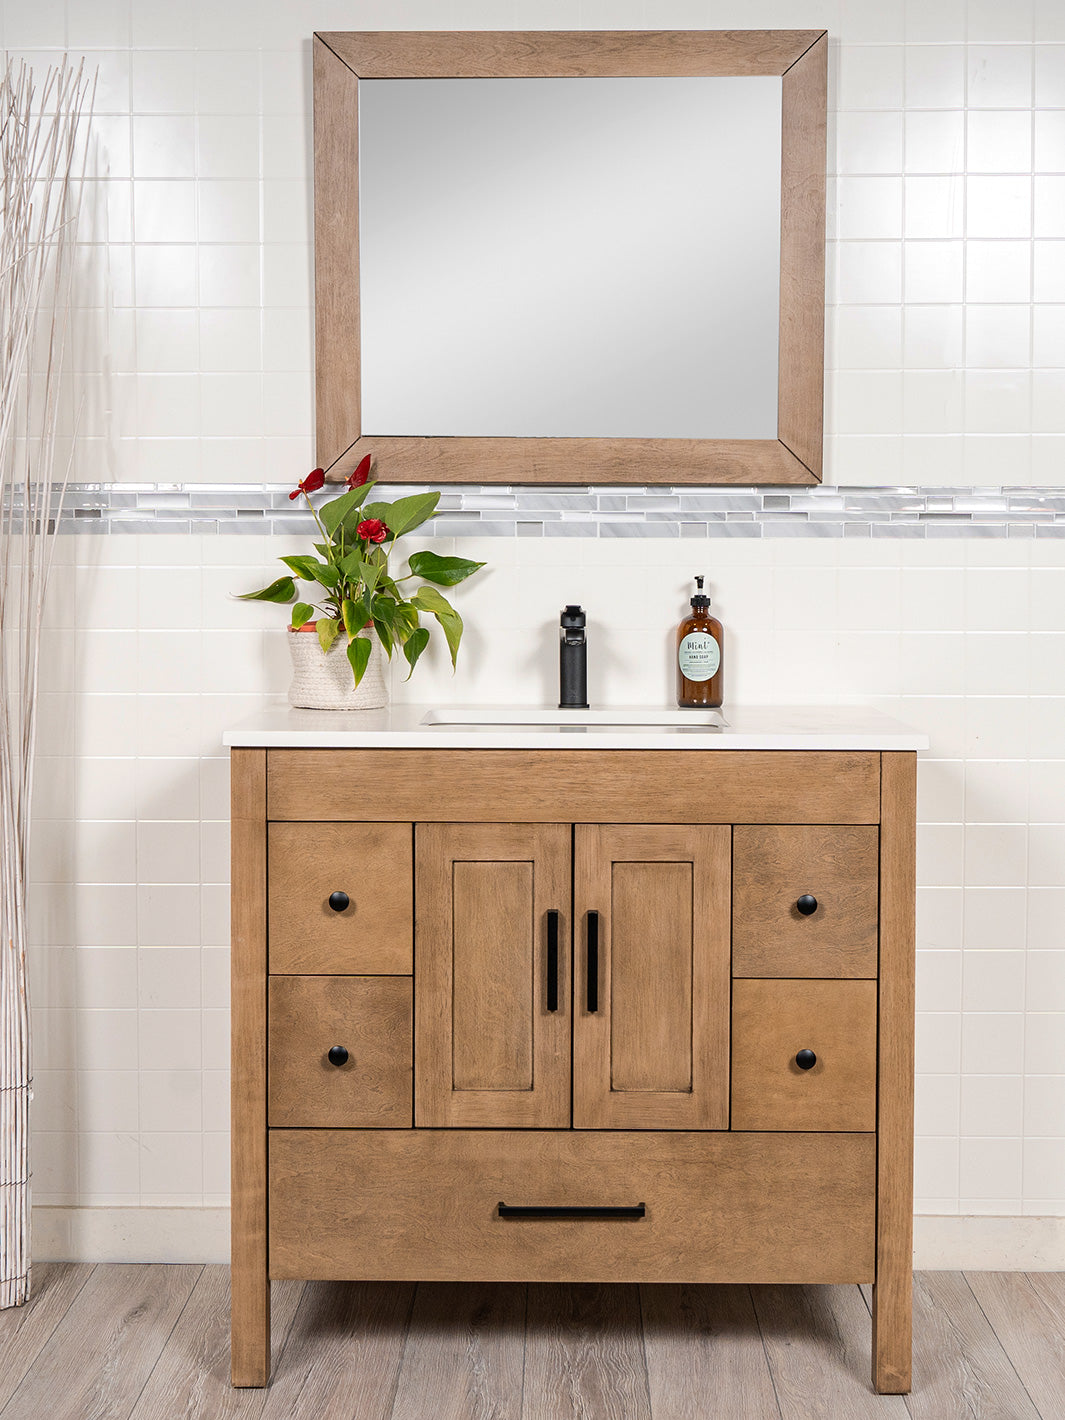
492	946
651	1008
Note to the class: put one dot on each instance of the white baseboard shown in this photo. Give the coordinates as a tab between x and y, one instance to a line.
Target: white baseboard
940	1243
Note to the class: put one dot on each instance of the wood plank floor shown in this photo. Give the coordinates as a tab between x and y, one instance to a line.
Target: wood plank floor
151	1343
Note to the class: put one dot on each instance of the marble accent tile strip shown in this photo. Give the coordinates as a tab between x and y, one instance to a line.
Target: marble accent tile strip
470	511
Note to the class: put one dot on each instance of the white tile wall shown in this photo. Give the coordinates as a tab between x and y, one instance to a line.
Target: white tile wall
946	339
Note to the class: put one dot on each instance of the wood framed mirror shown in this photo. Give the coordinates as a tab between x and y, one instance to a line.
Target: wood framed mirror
383	337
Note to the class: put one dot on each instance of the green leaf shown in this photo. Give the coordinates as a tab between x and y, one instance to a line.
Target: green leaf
359	655
336	510
356	615
407	513
383	611
414	645
430	600
323	549
302	566
301	614
444	571
328	631
406	620
326	574
283	590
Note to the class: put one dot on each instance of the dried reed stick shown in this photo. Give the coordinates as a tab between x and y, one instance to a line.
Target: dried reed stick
42	171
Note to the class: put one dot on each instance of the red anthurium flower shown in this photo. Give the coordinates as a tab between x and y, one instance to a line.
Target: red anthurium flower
373	530
361	474
310	484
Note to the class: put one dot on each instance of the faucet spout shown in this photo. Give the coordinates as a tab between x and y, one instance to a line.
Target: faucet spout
572	660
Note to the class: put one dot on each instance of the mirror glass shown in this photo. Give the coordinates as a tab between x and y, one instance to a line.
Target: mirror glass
570	257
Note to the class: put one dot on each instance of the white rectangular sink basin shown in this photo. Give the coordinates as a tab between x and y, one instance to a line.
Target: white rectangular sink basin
521	715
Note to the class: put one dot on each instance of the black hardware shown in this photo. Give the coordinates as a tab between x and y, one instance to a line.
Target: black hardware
807	904
338	901
524	1210
593	962
552	960
338	1055
806	1060
572	660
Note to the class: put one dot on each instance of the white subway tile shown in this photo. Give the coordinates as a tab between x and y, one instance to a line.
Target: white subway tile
168	915
941	786
1044	1046
1050	142
998	206
1044	1111
936	1104
228	211
107	1100
999	337
1046	855
1044	1167
935	141
991	1169
935	1168
165	276
935	76
108	1167
227	146
992	1043
229	275
994	981
171	1168
938	970
1049	77
1049	206
935	206
999	142
106	1039
996	855
992	1105
227	81
171	1100
999	76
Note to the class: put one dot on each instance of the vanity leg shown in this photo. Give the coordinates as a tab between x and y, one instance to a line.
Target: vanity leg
249	1272
893	1292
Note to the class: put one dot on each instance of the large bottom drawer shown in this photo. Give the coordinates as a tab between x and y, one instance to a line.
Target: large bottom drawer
424	1205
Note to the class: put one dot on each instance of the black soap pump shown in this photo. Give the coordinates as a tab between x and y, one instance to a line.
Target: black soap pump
572	660
700	656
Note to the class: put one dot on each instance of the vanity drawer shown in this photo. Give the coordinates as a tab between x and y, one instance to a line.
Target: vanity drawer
774	868
370	865
370	1017
772	1023
424	1205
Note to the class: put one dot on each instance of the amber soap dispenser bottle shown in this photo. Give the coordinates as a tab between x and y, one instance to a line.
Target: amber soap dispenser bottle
700	656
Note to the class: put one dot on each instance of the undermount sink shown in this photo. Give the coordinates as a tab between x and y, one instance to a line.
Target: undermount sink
523	715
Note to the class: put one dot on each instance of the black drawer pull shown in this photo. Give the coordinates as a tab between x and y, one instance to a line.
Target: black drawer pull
570	1210
338	1056
338	901
806	1060
552	960
807	904
593	962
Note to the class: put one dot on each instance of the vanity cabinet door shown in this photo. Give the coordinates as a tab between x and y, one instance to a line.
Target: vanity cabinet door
651	977
492	1000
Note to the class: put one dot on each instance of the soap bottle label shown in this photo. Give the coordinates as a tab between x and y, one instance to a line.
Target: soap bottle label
698	656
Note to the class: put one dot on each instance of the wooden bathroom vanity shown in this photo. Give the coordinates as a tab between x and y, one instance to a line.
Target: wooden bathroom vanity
604	1005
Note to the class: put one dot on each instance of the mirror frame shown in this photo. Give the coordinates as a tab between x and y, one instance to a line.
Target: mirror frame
341	59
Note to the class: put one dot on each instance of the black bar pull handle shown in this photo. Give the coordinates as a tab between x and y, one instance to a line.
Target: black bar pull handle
573	1210
593	963
552	960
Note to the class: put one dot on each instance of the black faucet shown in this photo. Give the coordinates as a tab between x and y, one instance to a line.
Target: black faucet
572	660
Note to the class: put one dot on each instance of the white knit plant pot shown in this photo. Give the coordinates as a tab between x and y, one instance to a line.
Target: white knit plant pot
324	680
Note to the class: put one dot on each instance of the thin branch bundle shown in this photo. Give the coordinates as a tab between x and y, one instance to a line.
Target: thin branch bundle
40	193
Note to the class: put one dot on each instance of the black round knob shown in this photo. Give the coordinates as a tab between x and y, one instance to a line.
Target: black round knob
339	1056
806	1059
338	901
806	904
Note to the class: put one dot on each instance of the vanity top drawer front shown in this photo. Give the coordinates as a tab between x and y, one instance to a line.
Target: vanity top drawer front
425	1206
340	897
600	786
366	1022
804	1055
804	900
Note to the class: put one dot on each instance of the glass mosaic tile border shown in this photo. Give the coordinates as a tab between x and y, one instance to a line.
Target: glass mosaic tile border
471	511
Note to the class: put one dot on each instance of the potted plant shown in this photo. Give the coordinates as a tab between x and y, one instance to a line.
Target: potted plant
361	609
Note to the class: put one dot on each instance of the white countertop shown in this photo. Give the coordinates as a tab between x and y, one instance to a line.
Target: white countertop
748	727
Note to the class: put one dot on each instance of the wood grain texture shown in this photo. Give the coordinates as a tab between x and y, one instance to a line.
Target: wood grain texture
372	1017
25	1330
771	1022
337	346
462	922
574	786
817	1343
423	1204
248	967
960	1368
704	1354
342	1357
584	1354
191	1380
100	1355
655	1053
372	863
416	459
793	458
892	1330
772	867
801	375
530	54
1027	1313
465	1353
